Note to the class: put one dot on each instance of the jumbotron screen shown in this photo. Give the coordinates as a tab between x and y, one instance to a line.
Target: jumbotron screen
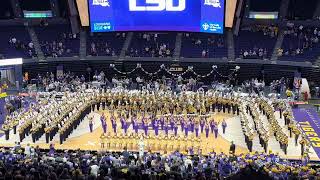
157	15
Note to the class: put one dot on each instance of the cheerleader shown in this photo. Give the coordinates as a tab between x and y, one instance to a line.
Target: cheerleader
207	129
175	128
215	129
202	123
196	128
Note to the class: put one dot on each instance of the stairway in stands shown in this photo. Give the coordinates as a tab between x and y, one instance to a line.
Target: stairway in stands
36	43
231	50
278	45
83	44
119	63
177	49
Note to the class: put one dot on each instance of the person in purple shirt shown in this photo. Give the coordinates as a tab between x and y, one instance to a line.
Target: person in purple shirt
215	129
145	127
182	124
114	126
102	118
175	128
51	150
192	126
202	123
186	130
153	122
162	122
196	128
142	122
135	126
122	122
172	123
207	130
104	126
156	129
212	125
125	127
166	129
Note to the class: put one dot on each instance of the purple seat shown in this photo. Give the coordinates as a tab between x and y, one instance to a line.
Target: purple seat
293	41
154	41
49	35
105	44
20	48
248	40
194	43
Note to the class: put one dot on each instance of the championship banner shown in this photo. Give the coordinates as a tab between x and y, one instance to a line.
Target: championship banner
309	122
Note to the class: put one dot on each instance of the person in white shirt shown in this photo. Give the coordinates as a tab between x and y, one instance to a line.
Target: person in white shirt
27	150
204	53
94	169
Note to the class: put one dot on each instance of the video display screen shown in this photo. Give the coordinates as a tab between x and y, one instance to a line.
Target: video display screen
157	15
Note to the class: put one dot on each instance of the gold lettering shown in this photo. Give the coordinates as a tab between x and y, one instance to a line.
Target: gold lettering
311	134
306	122
316	144
317	139
308	129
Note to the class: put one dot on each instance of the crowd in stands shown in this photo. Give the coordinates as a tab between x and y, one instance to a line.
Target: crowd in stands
34	163
203	45
26	47
57	40
58	48
299	41
256	42
152	45
107	44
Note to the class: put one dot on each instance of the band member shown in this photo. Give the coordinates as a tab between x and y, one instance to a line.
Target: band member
290	128
303	143
232	148
108	141
296	135
250	143
102	140
91	125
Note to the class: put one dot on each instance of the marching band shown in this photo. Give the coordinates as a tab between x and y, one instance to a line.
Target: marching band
174	119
